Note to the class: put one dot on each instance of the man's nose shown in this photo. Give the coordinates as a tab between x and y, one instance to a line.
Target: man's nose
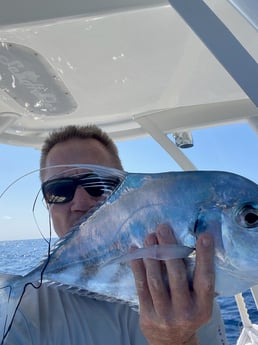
82	200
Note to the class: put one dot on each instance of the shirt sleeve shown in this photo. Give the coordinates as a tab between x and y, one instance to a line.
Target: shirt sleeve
213	332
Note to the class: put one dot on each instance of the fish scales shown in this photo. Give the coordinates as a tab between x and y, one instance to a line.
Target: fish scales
94	257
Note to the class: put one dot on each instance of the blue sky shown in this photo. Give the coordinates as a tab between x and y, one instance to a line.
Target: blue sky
230	148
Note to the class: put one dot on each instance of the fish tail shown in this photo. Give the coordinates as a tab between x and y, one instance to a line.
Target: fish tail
11	293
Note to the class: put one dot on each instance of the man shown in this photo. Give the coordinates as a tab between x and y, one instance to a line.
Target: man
52	316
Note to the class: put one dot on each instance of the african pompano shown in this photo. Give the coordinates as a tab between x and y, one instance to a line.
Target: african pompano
93	258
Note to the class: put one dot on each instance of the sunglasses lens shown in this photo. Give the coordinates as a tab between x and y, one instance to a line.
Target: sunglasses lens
62	190
95	191
59	191
92	184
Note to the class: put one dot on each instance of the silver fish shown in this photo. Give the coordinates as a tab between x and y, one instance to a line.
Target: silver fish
93	259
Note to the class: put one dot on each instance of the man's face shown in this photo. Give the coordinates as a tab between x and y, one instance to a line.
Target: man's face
74	151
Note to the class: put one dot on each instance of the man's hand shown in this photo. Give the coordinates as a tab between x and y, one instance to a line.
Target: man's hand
171	316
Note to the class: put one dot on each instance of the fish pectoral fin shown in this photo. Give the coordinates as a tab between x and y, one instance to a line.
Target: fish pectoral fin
6	279
157	251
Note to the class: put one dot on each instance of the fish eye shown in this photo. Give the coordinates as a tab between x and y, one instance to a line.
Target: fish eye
247	216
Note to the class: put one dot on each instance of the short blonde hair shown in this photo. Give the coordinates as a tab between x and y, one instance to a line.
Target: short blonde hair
78	132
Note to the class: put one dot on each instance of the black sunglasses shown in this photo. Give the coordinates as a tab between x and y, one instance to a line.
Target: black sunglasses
62	190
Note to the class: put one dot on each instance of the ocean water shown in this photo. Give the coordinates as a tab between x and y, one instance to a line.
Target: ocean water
19	257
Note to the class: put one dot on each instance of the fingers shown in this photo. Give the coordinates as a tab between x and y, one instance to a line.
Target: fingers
204	276
176	272
155	274
149	282
171	310
165	284
141	283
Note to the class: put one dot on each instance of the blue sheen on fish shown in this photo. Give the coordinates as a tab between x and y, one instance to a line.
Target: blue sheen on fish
93	258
